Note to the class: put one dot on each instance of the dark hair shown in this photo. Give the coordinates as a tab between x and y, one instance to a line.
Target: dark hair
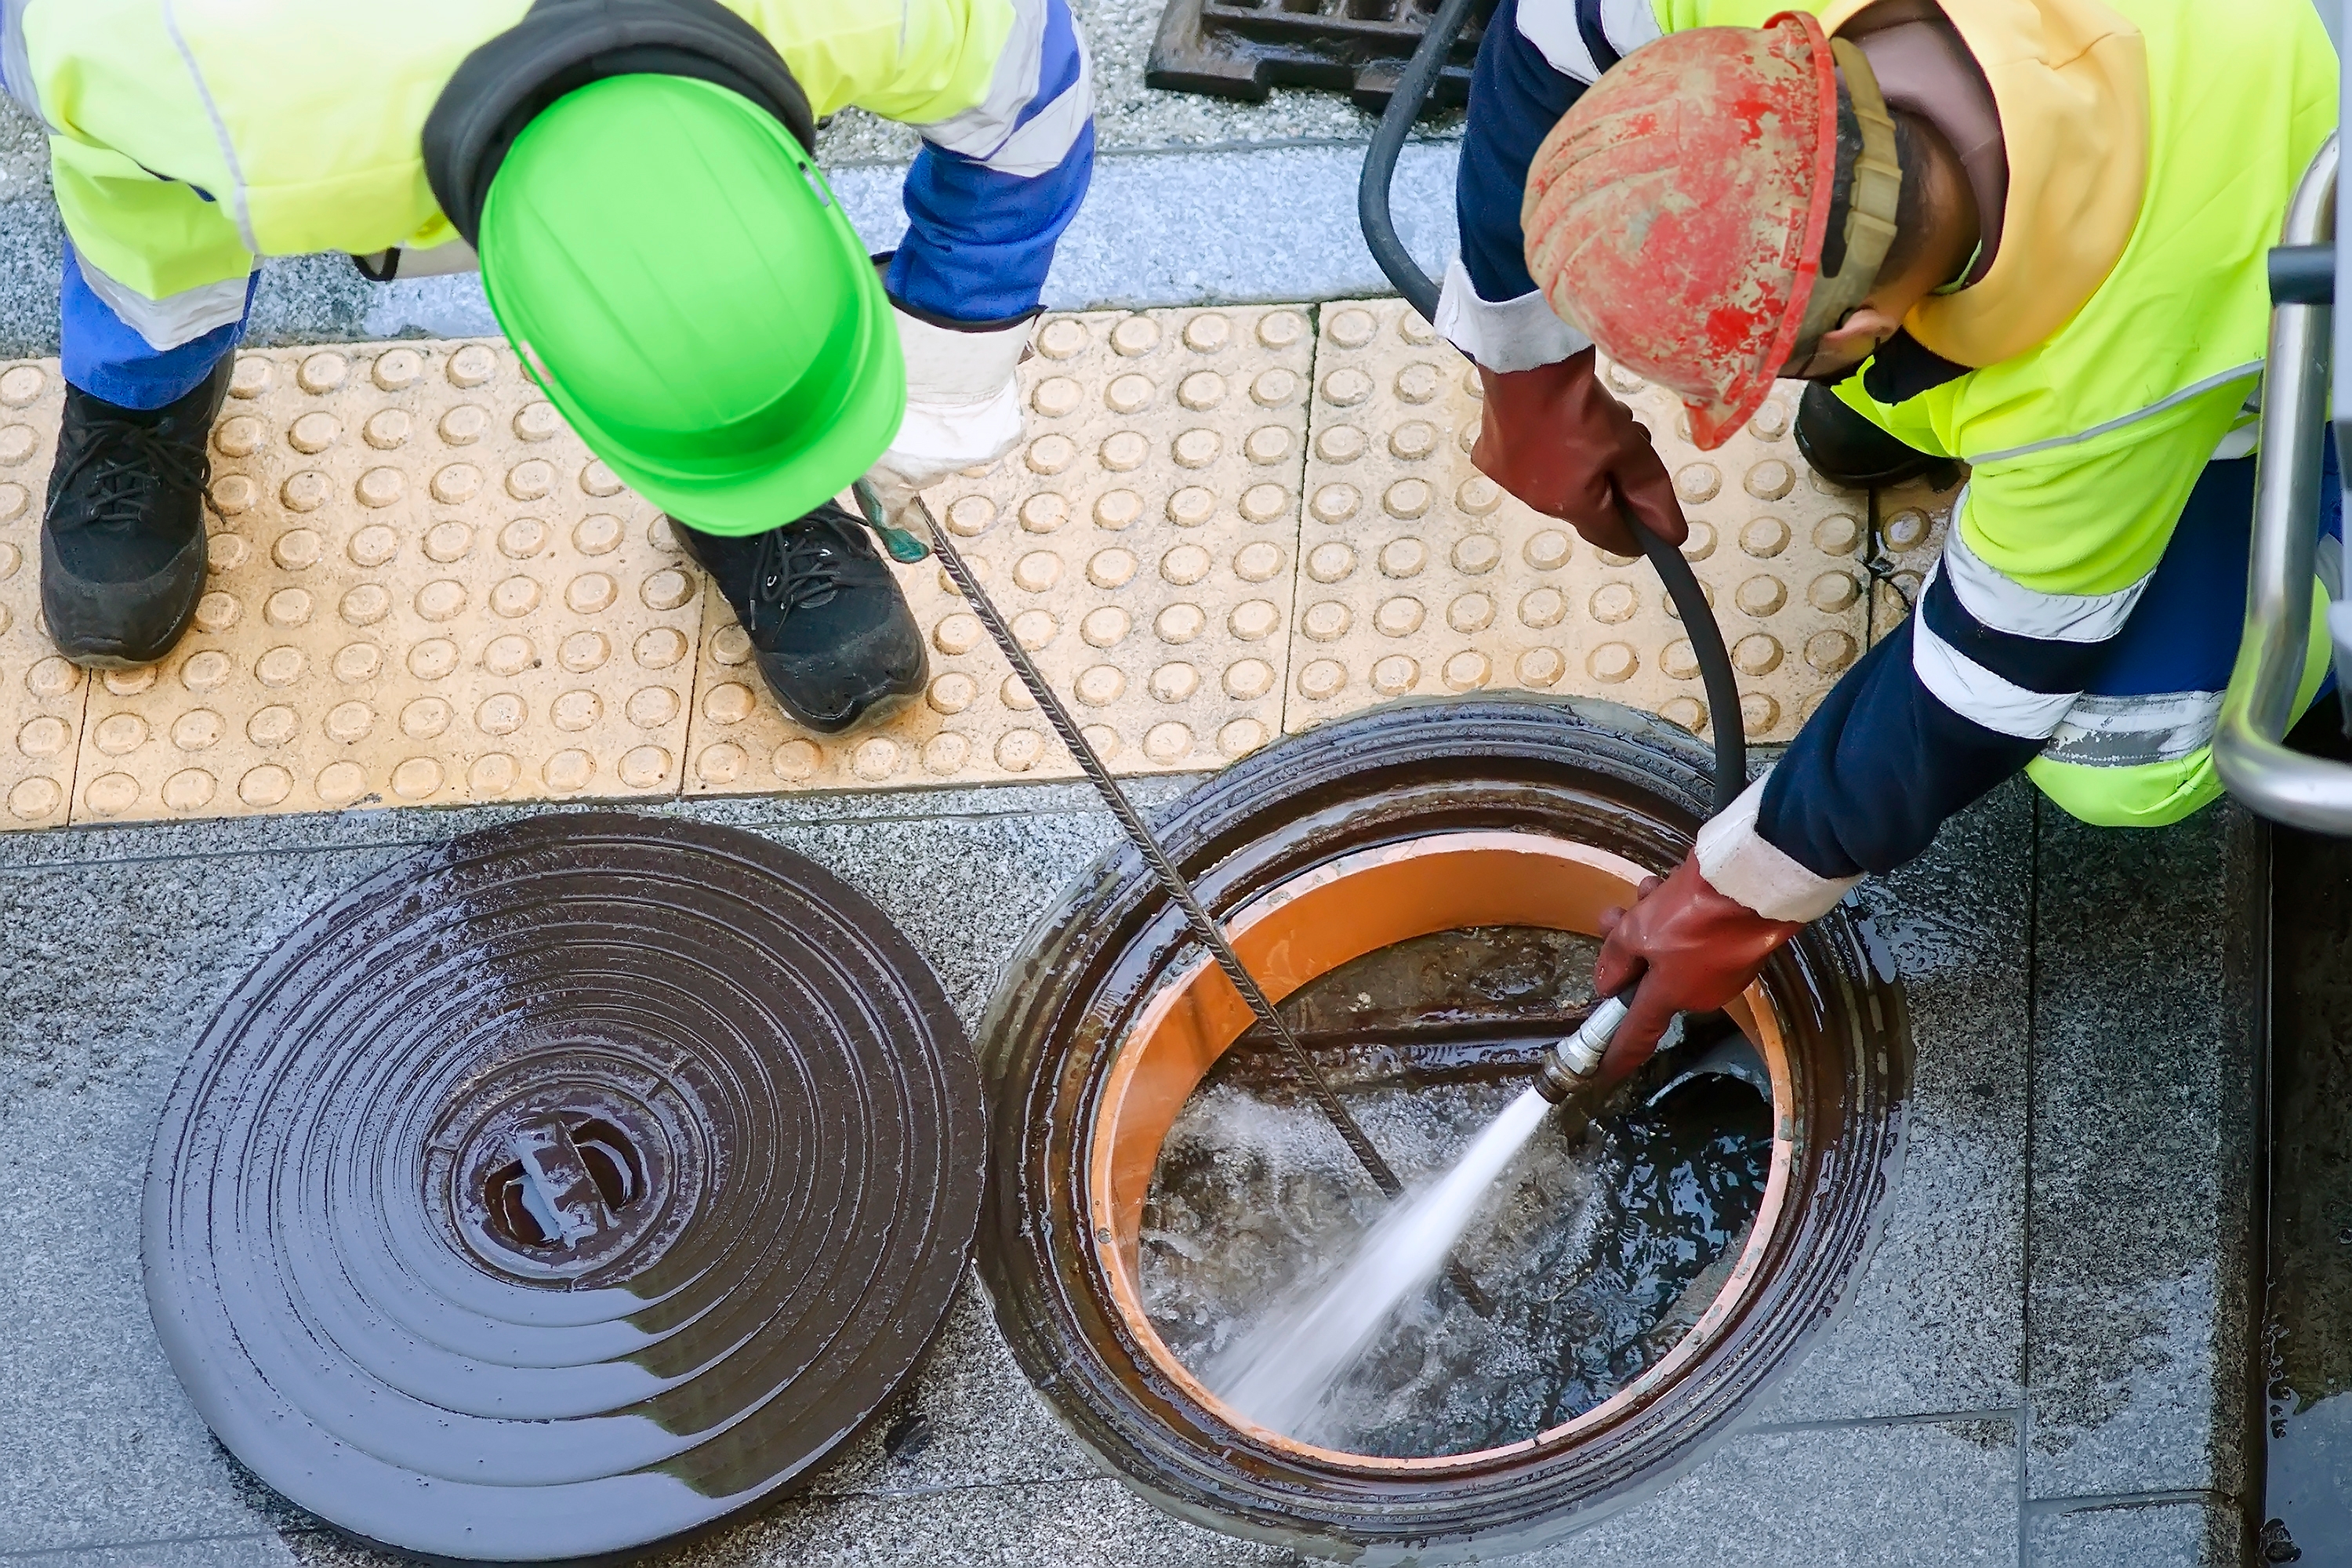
1910	206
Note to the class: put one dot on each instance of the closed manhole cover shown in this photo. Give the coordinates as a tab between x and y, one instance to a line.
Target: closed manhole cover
564	1189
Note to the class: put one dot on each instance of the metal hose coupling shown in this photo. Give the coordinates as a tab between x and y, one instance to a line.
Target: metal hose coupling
1568	1064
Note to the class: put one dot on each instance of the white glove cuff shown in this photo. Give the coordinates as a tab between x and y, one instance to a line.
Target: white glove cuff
1738	863
1517	335
945	366
935	439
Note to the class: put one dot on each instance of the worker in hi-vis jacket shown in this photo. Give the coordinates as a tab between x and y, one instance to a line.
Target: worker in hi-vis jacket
653	235
2028	235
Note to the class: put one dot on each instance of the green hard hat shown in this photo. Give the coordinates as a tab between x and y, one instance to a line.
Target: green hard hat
675	273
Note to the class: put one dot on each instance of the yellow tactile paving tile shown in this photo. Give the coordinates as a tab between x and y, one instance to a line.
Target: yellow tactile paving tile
1140	540
43	713
422	591
1912	520
1420	576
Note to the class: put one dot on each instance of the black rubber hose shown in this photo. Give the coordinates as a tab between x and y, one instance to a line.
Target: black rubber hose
1421	290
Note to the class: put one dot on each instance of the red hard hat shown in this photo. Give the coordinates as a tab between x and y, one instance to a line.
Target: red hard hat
1675	212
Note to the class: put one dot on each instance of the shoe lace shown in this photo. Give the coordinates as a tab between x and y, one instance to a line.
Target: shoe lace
123	463
798	568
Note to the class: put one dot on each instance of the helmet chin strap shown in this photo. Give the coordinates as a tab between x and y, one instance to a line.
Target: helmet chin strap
1871	202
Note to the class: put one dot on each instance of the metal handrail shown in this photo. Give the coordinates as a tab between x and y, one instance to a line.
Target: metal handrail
2284	785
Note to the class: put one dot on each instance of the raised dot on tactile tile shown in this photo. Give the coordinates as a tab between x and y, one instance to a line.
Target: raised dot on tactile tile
348	721
447	541
957	634
230	494
1203	389
1907	530
1124	452
969	516
1254	619
463	425
876	759
1396	675
1697	482
265	786
305	491
1017	751
415	777
1611	662
438	601
1837	535
1273	388
1280	329
1050	455
1129	394
1185	564
1327	621
575	711
217	612
946	753
1351	328
568	771
16	444
1688	712
952	692
322	373
1241	737
586	593
1167	742
1761	595
51	677
372	545
1340	443
1764	537
382	487
1061	340
1033	629
472	365
1037	570
519	597
272	726
20	385
1257	561
1465	671
35	798
1135	335
1833	591
797	759
1116	509
510	655
493	775
45	736
425	718
583	651
1345	387
240	435
206	671
598	481
643	767
280	667
1264	503
314	432
1831	651
1179	623
1757	653
1248	679
1541	667
359	661
428	660
1101	684
666	590
1336	503
252	377
502	713
1407	498
1470	613
1759	712
1056	395
537	422
1546	550
1476	553
15	499
1611	558
1267	443
525	481
1112	568
110	794
1418	383
1770	479
1207	333
130	682
1197	449
11	558
1403	558
454	483
1414	440
659	647
1322	678
1542	607
1400	616
118	733
1106	626
1191	506
1772	421
396	368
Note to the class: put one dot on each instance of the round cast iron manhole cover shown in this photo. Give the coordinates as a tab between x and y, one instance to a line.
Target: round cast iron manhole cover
564	1189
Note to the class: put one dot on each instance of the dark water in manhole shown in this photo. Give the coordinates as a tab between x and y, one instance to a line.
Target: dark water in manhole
2307	1340
1602	1245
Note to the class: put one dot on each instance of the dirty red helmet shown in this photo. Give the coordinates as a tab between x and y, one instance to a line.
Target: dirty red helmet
1676	212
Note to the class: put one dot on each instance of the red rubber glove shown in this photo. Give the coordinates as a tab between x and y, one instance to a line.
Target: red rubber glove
1555	438
1691	948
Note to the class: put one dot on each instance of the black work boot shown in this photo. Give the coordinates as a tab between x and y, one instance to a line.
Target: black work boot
1843	446
123	544
833	633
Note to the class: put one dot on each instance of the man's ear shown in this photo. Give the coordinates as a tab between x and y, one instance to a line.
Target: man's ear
1860	332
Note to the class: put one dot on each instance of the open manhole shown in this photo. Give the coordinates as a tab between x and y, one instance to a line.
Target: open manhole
565	1190
1422	885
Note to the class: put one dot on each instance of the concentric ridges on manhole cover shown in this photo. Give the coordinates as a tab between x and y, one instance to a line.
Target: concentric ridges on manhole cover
567	1188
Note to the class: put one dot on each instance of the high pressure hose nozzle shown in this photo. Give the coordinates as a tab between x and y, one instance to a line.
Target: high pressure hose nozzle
1569	1065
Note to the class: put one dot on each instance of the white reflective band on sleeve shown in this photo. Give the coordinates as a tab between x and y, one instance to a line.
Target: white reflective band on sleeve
1517	335
2003	605
1974	692
1550	26
1742	865
16	61
1628	24
177	318
2252	368
988	132
2132	731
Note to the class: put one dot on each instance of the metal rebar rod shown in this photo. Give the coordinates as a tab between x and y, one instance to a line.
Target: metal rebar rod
1204	926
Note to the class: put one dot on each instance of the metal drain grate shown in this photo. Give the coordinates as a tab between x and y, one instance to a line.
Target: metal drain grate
1240	48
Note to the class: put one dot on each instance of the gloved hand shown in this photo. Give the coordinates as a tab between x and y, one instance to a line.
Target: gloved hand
1555	438
1689	948
963	409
